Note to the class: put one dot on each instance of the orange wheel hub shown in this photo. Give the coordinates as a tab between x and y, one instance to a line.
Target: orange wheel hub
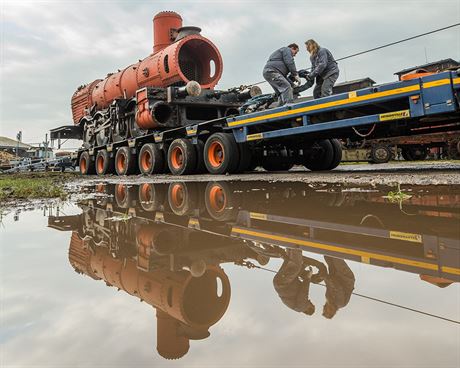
217	198
216	154
100	164
121	162
83	166
177	158
146	161
177	195
146	192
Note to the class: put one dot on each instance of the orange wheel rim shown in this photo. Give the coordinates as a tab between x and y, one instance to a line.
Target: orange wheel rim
100	164
100	188
177	195
216	154
217	198
121	162
83	165
121	192
177	158
146	192
146	161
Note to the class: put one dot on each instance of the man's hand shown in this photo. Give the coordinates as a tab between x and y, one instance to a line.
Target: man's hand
297	79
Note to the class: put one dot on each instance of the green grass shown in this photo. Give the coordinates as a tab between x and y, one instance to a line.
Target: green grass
33	185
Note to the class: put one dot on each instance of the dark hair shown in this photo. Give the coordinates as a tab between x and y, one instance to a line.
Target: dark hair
294	46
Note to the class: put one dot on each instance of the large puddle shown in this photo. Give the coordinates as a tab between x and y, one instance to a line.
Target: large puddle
234	274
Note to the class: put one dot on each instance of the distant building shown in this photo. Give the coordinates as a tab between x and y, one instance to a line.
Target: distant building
434	67
20	149
14	147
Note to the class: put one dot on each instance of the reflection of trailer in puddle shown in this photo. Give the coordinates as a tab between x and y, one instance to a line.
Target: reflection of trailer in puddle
356	226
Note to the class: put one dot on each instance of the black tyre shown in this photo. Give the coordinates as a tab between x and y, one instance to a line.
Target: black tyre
182	198
86	164
125	161
151	159
245	161
104	163
182	157
221	154
319	156
221	202
337	147
380	154
124	196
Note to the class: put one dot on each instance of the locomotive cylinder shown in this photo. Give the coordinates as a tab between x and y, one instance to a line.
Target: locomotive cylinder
180	55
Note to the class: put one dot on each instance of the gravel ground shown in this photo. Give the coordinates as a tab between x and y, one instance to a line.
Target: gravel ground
415	173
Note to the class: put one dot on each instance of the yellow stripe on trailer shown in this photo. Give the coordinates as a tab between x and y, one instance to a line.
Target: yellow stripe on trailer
362	254
345	101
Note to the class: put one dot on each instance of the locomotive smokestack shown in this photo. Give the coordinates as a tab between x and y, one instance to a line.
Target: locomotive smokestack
165	26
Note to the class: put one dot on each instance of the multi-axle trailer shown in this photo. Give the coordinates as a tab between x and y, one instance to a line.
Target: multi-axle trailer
300	133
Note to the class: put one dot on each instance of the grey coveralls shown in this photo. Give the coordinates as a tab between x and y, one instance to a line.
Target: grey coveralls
326	71
339	283
279	64
291	290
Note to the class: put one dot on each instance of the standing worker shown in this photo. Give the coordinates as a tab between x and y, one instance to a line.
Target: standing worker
278	66
323	67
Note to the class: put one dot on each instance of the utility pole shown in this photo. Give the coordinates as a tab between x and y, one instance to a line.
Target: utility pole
18	139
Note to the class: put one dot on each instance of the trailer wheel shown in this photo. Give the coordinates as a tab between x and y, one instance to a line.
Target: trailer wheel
380	154
220	201
125	161
414	153
124	197
337	147
182	198
104	164
151	159
221	153
151	196
319	156
86	166
181	157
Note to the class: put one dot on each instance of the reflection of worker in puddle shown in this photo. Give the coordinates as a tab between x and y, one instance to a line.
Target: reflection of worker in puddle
340	283
292	282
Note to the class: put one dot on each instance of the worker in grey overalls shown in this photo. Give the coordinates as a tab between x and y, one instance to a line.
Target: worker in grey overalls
292	281
340	283
275	72
323	67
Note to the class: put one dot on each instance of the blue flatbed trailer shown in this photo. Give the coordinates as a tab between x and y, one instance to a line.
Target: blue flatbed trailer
283	136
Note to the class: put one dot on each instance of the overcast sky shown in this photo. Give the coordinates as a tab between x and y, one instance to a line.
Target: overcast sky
49	48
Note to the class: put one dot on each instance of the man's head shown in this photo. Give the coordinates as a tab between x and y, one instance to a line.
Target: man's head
329	310
294	48
310	309
312	46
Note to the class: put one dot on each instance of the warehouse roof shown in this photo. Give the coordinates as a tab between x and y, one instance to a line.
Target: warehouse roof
6	142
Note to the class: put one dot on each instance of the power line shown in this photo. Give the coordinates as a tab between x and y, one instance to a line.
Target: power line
386	45
378	300
400	41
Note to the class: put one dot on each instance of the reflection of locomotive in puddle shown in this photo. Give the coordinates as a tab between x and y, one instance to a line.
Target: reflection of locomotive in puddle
165	243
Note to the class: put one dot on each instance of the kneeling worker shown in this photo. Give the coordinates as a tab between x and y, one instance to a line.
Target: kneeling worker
278	66
323	67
